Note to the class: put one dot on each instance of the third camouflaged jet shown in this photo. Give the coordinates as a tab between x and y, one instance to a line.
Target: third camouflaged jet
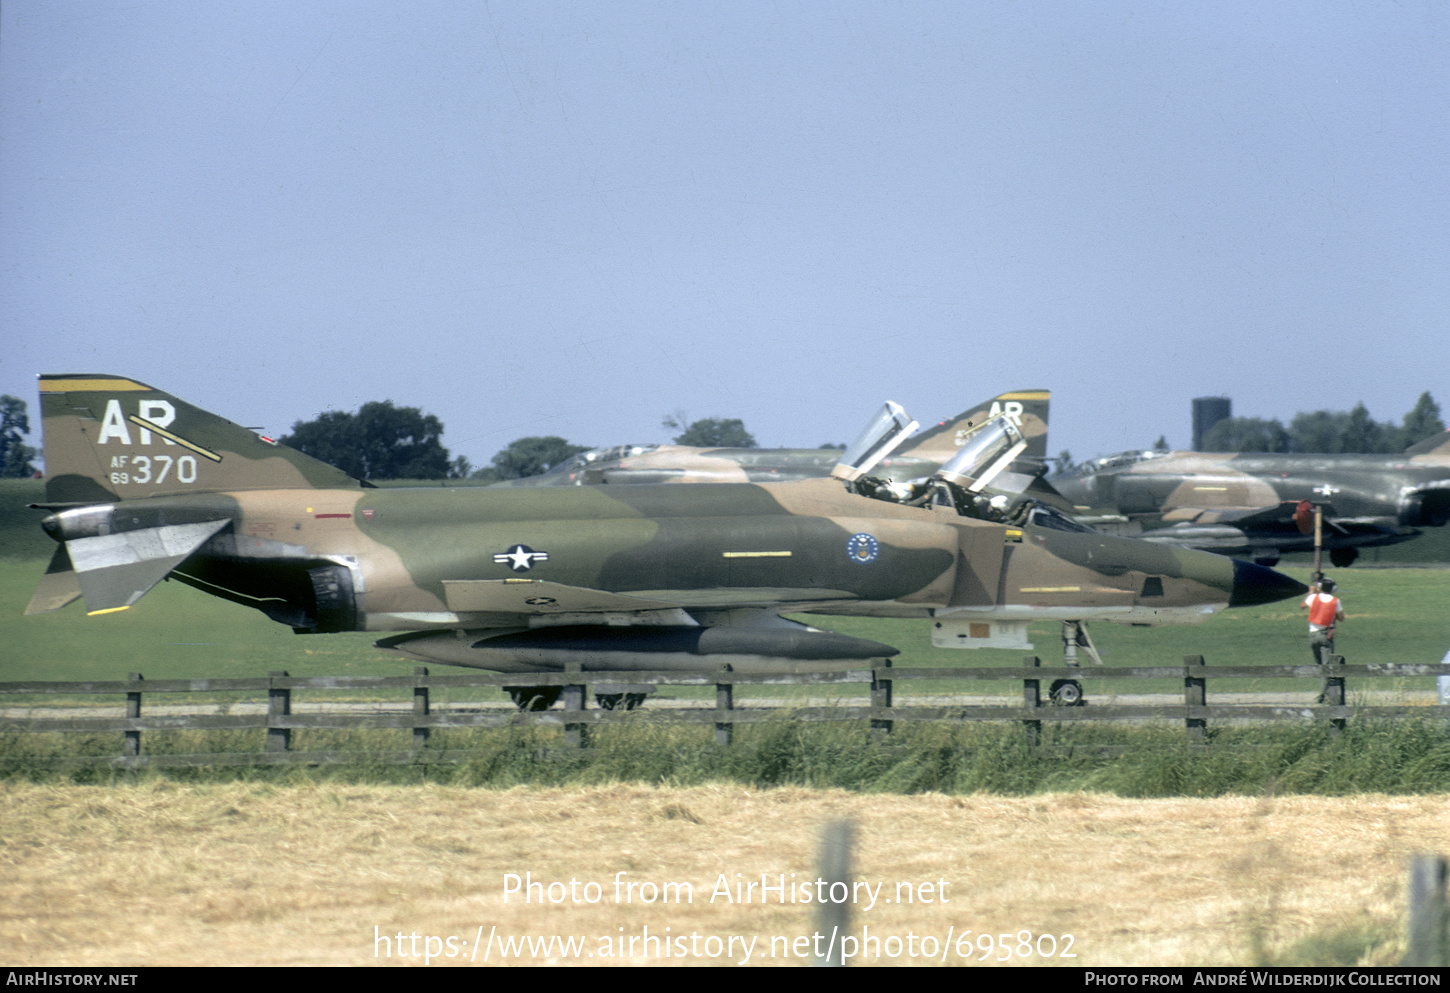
1260	505
142	486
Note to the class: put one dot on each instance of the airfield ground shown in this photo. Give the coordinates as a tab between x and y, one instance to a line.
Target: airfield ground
164	874
302	872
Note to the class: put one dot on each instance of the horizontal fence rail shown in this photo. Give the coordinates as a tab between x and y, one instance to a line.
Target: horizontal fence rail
1039	683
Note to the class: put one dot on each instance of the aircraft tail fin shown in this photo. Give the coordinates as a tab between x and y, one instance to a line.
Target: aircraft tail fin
109	438
1027	408
1435	443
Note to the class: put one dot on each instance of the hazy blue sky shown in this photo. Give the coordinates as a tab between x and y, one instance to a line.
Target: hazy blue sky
575	218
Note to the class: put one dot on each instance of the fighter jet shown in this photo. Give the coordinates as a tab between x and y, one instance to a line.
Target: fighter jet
919	457
1262	505
142	486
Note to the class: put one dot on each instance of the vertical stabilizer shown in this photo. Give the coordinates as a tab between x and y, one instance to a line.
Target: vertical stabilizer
108	438
1026	408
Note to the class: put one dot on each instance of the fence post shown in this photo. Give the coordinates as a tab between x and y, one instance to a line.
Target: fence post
1032	699
279	704
1427	912
1195	694
132	744
420	707
1334	691
576	734
833	919
880	700
724	701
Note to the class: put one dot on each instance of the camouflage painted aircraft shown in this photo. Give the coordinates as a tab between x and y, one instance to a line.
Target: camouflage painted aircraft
142	486
1261	505
919	457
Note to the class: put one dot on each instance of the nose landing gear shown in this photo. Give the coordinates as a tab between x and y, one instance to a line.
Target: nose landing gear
1075	638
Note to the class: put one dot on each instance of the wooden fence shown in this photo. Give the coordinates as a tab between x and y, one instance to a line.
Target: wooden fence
577	718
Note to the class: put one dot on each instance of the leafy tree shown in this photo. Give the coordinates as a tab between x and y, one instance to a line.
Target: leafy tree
1422	422
841	446
1364	434
1161	445
16	457
529	457
1336	432
716	432
380	441
1246	434
1319	431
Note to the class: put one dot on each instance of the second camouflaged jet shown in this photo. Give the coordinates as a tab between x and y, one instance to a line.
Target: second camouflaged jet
142	486
1260	505
916	458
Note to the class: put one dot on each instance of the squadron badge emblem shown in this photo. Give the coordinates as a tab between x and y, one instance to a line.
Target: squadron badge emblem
520	558
863	548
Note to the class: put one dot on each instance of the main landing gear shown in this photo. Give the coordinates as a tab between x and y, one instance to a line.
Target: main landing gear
1075	638
534	697
609	696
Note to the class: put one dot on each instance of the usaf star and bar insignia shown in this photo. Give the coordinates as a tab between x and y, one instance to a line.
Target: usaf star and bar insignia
520	558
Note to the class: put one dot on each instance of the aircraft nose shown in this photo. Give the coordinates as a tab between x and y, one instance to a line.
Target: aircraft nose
1255	584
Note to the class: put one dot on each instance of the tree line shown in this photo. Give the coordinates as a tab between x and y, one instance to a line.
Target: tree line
1327	431
383	441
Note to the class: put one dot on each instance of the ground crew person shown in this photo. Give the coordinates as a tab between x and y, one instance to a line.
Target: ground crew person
1325	611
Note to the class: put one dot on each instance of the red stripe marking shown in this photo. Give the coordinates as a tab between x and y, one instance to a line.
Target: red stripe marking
321	516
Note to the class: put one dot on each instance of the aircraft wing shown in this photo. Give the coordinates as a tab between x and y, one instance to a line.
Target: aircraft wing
534	596
1240	517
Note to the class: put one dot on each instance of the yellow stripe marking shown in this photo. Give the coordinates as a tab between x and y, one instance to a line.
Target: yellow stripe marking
756	555
1031	395
108	610
1210	489
88	385
151	426
1050	589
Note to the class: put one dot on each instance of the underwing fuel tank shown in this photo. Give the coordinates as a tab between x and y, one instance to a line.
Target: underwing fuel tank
602	648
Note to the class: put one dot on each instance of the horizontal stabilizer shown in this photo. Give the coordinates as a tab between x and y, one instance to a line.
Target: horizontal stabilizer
116	570
58	587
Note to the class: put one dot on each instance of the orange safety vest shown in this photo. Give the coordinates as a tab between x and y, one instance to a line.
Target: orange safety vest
1323	608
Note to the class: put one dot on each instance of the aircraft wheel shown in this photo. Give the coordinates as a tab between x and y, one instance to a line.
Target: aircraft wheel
1343	558
1268	560
1066	693
613	701
535	697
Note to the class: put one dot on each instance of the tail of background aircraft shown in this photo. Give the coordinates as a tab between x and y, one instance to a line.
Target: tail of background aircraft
1027	407
1438	443
108	438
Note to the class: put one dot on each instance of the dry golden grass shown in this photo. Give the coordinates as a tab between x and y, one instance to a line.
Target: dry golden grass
165	874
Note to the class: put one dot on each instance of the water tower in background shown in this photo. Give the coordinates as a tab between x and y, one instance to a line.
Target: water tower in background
1208	411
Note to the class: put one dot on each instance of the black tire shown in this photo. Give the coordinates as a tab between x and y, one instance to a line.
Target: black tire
1066	693
1343	558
